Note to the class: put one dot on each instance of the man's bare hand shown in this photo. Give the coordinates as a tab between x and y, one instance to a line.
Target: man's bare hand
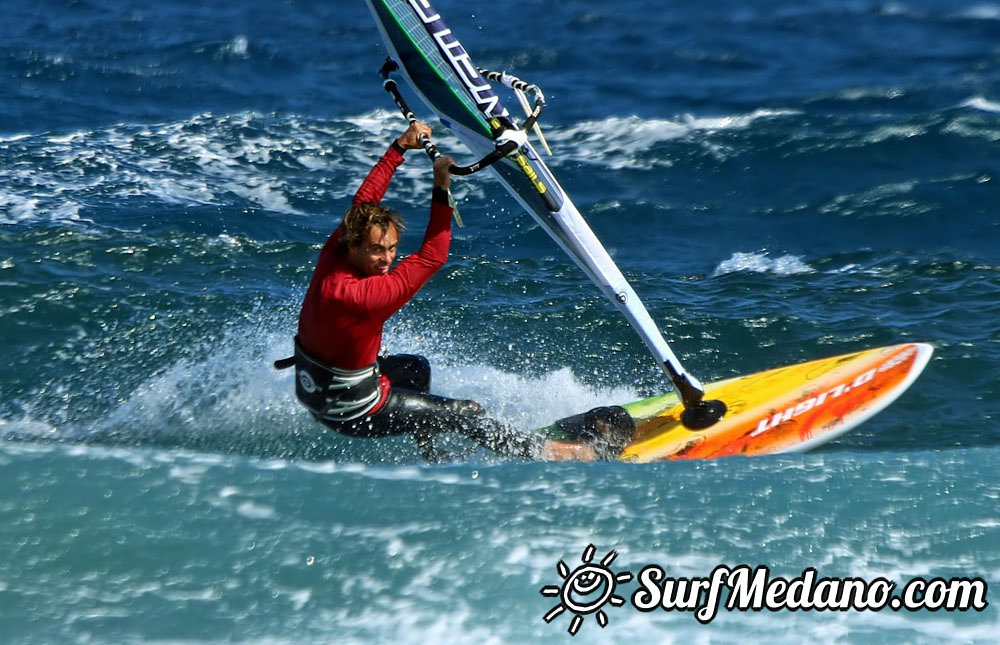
442	174
410	140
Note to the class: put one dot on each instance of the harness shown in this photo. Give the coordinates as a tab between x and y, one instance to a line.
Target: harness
331	393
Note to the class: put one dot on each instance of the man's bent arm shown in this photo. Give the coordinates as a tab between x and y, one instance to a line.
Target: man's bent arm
377	182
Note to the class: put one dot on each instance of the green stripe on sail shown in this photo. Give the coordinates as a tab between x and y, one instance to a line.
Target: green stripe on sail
427	68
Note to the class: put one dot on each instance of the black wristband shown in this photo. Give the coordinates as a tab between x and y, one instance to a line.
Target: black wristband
399	148
440	195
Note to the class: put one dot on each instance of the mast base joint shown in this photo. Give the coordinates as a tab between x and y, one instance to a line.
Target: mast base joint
703	415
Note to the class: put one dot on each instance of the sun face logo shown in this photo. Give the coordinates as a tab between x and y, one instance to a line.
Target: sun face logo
586	589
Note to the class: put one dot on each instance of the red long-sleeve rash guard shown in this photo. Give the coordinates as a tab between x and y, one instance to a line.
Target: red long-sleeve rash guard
344	310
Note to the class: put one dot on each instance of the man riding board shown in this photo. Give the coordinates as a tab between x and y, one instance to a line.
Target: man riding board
340	376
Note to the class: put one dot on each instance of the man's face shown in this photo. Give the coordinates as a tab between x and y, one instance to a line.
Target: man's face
374	254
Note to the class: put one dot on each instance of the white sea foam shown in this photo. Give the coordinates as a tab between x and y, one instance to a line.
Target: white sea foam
230	155
27	427
238	47
620	142
898	9
759	262
255	511
232	386
171	190
986	11
268	162
382	124
16	208
527	402
231	396
864	93
982	103
265	193
14	137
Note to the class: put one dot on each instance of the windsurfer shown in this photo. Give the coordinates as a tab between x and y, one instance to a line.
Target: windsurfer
355	288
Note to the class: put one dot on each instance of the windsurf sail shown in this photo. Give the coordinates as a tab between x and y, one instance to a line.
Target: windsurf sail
442	73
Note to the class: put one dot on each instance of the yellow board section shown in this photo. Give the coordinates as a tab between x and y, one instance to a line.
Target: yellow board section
781	410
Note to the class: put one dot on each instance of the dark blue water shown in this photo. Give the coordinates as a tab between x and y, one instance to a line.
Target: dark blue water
781	181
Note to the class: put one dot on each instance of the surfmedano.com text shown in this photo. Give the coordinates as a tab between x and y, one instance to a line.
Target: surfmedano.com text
756	590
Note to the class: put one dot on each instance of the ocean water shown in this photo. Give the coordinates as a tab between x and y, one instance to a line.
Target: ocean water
780	180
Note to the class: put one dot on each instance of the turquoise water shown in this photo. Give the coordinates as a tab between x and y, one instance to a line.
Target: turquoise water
780	182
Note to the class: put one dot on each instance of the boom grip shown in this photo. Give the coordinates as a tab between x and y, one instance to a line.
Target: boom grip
490	159
390	86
